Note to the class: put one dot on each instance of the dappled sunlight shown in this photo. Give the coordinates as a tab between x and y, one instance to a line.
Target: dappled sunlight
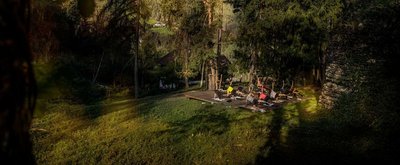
309	101
183	131
115	81
167	128
174	129
294	112
311	105
290	120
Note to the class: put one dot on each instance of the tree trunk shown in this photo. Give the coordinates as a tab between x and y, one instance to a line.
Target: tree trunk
323	68
216	79
98	69
322	64
136	76
219	48
186	58
252	66
208	7
202	73
206	77
212	79
251	74
220	82
186	82
17	83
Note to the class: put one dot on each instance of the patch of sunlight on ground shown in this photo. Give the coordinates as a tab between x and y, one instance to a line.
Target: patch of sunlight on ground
291	112
311	105
291	120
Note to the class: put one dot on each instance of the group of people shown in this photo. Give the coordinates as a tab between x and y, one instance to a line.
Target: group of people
260	95
259	92
230	93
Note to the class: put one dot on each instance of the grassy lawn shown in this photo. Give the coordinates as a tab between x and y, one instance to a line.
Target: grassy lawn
158	130
170	129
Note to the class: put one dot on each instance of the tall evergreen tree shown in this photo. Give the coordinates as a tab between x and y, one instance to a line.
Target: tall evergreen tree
18	86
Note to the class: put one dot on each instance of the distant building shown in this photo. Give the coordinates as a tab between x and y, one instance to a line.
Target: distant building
159	24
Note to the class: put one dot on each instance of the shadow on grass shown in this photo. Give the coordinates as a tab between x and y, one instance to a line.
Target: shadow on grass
345	135
202	120
214	124
63	82
269	151
282	147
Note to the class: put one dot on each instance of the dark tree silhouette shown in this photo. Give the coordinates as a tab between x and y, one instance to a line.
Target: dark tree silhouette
17	83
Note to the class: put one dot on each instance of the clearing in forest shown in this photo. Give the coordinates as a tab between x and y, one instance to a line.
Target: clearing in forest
164	130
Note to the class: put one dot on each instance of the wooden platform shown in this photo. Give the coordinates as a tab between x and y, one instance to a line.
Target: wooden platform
207	96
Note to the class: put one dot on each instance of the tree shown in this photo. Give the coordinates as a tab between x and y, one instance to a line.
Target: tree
136	78
18	86
125	20
285	37
210	6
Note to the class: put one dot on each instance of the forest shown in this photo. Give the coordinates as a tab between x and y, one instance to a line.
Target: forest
199	81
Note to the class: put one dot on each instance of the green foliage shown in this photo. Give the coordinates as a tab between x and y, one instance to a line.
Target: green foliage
86	7
285	36
163	31
363	38
151	22
66	80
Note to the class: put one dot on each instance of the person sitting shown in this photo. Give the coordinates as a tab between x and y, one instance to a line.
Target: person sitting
272	94
229	91
251	99
259	84
294	92
240	92
251	86
218	95
263	96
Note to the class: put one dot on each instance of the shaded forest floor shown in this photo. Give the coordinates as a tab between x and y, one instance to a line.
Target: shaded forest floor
170	129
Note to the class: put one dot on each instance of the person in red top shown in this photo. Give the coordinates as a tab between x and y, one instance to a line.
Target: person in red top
263	96
259	83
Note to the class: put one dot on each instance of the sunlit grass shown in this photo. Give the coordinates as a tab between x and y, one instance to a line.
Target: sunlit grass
170	129
311	105
160	131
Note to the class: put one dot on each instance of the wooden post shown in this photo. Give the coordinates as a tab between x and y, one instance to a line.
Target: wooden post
292	86
220	82
273	85
202	73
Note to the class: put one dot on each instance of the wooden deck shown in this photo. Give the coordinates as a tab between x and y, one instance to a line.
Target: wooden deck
208	96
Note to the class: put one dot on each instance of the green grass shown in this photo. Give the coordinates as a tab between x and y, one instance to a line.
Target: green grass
170	129
164	31
165	129
153	130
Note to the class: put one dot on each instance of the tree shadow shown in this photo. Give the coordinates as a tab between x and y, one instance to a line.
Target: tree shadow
214	124
65	82
203	122
282	145
322	140
342	136
269	152
99	109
